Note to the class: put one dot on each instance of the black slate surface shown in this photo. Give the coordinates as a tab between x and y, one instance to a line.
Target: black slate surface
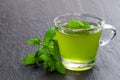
21	20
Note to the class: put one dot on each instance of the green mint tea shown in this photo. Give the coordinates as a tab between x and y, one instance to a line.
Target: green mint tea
79	46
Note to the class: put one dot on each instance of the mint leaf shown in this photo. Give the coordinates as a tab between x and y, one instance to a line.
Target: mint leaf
81	24
50	65
38	54
49	35
74	24
56	48
29	59
34	41
40	51
86	25
60	68
45	57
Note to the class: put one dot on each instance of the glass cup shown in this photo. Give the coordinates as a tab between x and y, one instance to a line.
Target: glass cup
78	47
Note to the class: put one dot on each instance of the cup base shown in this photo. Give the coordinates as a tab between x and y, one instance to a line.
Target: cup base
78	66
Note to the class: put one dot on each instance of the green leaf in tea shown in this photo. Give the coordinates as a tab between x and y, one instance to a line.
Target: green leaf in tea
74	24
81	24
34	41
86	25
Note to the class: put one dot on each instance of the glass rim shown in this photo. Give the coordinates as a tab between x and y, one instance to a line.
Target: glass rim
102	22
78	14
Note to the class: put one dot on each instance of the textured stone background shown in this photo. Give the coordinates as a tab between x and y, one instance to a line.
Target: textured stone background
21	20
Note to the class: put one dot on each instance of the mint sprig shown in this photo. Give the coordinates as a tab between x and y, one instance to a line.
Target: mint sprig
48	53
75	24
34	41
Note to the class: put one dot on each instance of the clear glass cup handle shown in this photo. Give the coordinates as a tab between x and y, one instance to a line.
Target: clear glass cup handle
113	33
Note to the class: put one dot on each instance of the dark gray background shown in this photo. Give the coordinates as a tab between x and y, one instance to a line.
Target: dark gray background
21	20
